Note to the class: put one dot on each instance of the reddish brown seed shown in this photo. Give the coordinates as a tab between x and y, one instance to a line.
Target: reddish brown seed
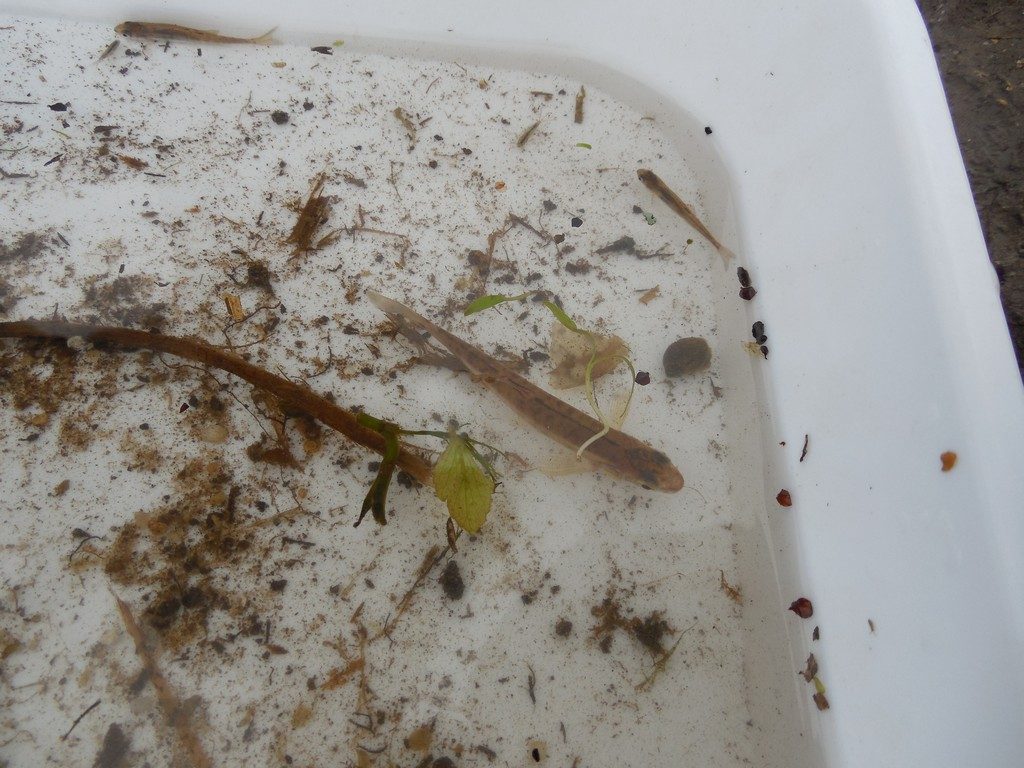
802	607
183	408
820	701
744	276
948	460
784	498
747	293
643	378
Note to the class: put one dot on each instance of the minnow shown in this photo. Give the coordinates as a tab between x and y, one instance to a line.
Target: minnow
624	455
163	31
651	180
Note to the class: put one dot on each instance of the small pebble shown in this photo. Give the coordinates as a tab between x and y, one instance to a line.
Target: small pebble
576	221
747	293
686	356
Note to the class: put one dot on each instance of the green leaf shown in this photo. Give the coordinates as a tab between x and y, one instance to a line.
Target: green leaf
649	218
376	498
492	300
561	317
462	484
584	145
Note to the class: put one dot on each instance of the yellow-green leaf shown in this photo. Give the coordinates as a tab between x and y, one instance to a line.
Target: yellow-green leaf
462	484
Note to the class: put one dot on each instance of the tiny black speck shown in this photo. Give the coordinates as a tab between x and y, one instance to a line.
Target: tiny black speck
576	221
707	129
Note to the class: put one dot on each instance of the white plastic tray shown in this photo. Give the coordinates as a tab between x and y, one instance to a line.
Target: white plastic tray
834	164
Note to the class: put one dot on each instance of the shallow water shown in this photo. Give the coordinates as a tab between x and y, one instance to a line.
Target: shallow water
281	629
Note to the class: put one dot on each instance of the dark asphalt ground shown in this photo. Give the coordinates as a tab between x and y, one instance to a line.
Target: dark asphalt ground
979	45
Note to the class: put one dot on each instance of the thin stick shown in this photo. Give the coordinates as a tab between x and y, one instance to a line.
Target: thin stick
165	695
78	719
578	115
294	395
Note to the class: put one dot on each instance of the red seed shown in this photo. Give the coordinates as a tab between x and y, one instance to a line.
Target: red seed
802	607
948	460
784	499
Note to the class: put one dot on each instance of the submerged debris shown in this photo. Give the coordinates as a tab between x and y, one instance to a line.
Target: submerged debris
571	353
578	113
525	135
451	581
312	216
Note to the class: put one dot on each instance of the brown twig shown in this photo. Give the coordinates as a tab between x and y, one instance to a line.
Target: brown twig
578	115
295	396
431	559
169	701
78	719
311	217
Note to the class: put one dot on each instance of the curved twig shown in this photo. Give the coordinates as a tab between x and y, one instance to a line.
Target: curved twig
293	395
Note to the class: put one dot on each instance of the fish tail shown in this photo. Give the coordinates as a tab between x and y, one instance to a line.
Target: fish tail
264	39
725	253
390	306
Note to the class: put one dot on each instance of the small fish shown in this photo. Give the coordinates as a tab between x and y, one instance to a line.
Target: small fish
162	31
672	200
626	456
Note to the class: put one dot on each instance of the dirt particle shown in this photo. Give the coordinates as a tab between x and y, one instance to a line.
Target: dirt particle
811	668
279	116
115	748
563	627
579	267
278	585
643	378
747	293
420	739
451	581
576	221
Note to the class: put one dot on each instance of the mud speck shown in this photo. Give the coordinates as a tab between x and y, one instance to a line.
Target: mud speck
451	581
114	750
563	627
